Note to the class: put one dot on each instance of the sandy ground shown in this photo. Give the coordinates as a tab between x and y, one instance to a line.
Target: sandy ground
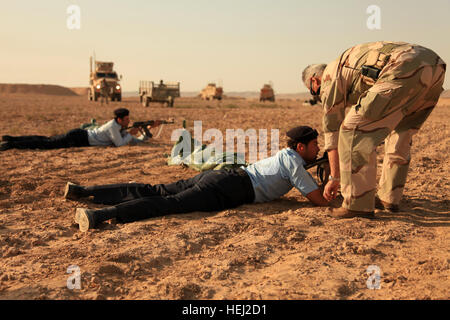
285	249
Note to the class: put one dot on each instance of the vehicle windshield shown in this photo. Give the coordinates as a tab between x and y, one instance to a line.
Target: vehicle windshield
107	75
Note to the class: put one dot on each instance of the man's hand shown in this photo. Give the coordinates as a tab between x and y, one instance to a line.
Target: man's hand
331	189
134	131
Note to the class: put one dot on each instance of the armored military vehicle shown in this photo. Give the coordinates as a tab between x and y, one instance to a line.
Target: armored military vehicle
267	93
211	92
161	92
104	81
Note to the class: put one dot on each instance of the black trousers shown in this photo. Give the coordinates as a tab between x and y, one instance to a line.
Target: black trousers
73	138
212	190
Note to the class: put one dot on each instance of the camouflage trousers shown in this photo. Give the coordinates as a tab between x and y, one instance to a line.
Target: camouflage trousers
392	112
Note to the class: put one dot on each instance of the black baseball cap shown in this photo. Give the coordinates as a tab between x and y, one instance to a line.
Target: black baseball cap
303	134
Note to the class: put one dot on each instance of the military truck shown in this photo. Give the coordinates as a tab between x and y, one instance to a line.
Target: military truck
211	92
267	93
161	92
104	81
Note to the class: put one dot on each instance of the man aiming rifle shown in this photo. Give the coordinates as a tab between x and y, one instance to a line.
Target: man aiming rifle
146	125
114	132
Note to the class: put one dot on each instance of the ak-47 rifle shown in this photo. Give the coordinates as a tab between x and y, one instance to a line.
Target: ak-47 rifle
143	125
320	166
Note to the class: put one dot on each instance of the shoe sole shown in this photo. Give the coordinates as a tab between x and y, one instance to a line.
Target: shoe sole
67	192
380	206
85	219
5	145
77	216
366	216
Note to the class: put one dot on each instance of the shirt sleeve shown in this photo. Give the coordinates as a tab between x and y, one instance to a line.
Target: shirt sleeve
292	169
116	137
333	103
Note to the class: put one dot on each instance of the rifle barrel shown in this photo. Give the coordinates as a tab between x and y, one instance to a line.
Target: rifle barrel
148	123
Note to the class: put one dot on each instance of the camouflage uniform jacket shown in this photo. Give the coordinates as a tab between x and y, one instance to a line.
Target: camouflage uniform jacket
343	85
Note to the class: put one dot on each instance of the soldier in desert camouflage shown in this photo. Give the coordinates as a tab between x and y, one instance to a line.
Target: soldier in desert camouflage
388	90
104	91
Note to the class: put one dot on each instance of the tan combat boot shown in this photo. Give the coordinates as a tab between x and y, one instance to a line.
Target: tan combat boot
382	205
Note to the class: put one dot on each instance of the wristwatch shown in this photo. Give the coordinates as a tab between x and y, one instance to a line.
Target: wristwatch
331	178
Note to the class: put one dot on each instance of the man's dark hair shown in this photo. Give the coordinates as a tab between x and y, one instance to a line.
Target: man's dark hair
121	113
302	134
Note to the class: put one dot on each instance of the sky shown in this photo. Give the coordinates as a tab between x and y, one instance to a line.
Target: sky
240	44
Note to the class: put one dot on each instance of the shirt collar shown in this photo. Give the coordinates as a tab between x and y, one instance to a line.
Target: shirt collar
295	153
117	125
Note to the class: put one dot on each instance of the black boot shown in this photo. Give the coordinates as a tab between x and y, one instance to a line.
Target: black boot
90	219
5	145
7	138
74	191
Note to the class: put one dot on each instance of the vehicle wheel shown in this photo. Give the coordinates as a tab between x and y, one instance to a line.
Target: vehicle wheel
89	95
95	96
140	99
119	97
113	97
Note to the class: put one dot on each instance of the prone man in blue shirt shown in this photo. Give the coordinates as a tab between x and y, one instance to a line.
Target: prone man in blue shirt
212	190
111	133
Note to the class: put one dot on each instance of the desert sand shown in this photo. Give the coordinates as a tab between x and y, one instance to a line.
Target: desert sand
285	249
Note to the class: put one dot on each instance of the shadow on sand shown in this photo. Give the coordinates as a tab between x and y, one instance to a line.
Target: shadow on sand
421	212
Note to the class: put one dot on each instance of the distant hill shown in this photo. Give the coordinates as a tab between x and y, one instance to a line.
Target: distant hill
36	89
81	91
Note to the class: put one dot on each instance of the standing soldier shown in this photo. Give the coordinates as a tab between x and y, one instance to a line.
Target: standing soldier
104	91
391	88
